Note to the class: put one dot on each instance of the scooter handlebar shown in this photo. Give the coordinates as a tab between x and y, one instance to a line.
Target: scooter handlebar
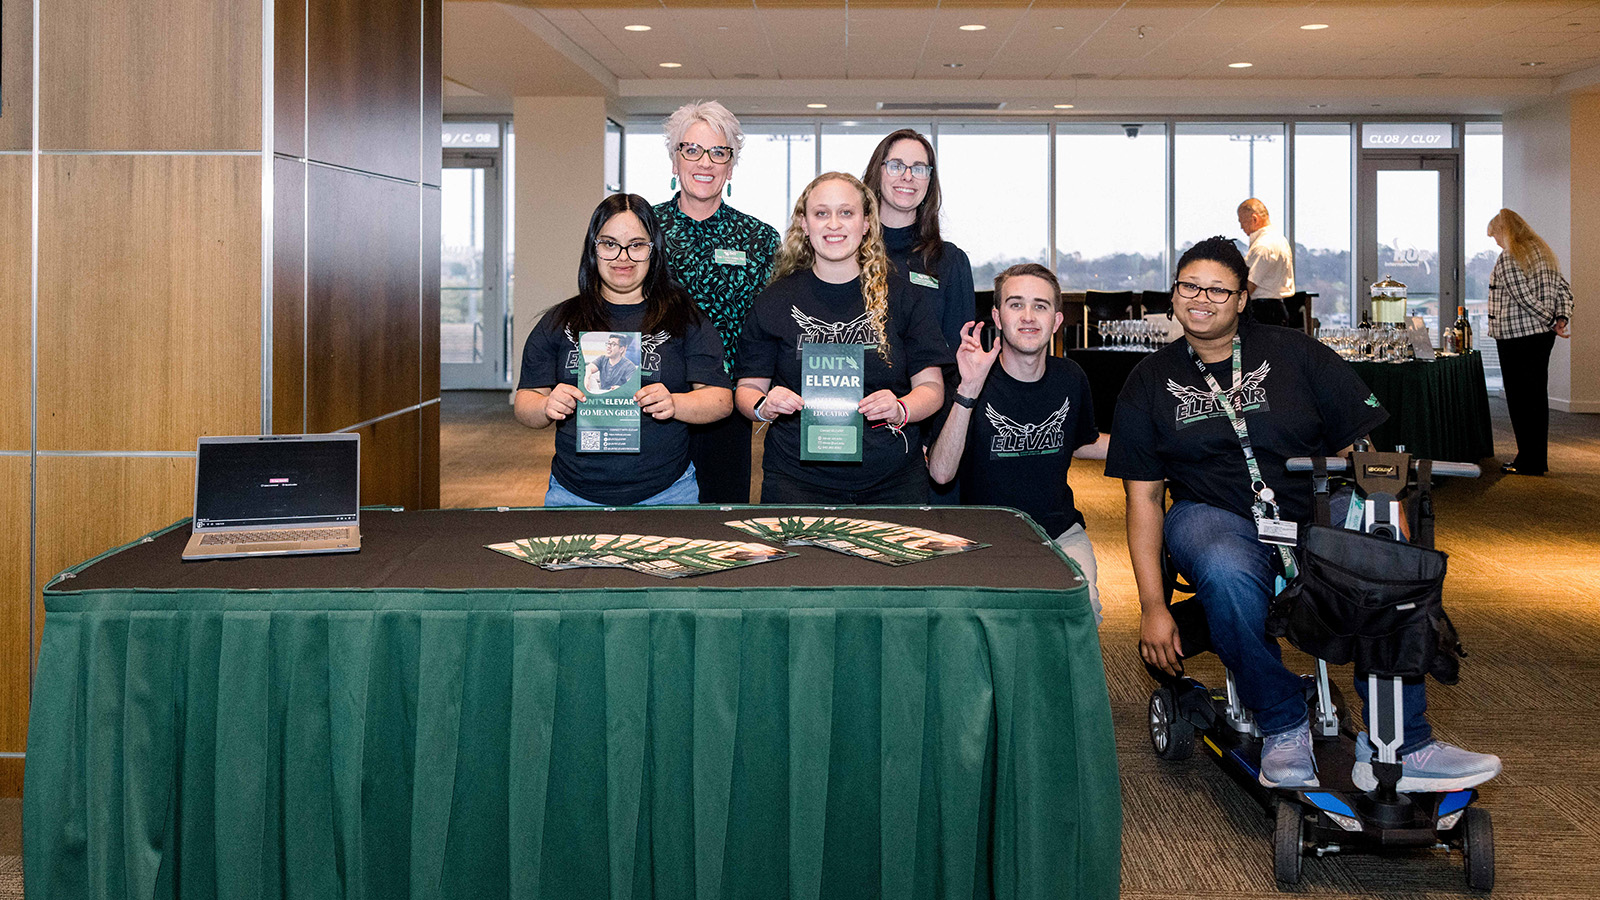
1340	464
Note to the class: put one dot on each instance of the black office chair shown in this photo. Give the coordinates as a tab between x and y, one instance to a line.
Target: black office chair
1104	306
1269	310
1298	308
1155	302
985	305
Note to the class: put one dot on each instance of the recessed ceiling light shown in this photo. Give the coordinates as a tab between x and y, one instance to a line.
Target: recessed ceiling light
953	65
974	28
1315	26
1058	28
1063	106
719	28
1316	105
816	106
671	65
1532	64
1240	65
636	28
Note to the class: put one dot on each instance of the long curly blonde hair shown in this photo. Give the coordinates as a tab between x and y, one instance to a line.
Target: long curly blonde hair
796	254
1522	242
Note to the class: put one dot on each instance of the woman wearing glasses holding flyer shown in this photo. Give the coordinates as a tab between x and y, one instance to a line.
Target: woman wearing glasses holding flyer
722	257
835	339
638	326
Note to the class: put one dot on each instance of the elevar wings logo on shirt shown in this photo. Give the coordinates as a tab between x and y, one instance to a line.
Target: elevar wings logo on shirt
1013	438
815	331
649	359
1196	404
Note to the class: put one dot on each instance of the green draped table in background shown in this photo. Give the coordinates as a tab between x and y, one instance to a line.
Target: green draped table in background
1438	409
429	719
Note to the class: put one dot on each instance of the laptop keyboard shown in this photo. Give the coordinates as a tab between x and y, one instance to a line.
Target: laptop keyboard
272	537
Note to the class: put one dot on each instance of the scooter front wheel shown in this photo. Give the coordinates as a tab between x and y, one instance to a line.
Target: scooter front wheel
1288	841
1477	846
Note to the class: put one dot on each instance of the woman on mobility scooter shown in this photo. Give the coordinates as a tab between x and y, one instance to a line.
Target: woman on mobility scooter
1235	508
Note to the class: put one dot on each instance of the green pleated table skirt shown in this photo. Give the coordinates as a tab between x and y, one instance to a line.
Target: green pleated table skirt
808	743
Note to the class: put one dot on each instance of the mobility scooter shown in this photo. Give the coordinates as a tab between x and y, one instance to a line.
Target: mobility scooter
1369	594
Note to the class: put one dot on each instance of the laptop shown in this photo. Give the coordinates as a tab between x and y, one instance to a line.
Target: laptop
276	494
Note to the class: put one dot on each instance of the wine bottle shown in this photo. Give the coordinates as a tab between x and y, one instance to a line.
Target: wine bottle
1463	330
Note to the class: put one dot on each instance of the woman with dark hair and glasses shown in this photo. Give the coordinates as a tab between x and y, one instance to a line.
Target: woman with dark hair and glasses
902	176
623	288
1175	429
722	257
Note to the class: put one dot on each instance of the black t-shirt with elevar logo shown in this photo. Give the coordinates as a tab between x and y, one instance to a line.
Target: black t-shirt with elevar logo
1020	441
1298	398
551	357
803	308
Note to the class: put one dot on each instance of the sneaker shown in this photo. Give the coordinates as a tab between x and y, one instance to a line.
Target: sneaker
1286	759
1435	766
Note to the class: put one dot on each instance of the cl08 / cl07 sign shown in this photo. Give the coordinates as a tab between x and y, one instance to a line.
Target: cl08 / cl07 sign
1408	136
481	135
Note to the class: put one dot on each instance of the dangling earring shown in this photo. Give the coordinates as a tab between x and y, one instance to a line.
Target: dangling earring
674	183
730	189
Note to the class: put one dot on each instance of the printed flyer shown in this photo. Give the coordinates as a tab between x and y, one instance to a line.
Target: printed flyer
885	542
831	385
608	421
663	557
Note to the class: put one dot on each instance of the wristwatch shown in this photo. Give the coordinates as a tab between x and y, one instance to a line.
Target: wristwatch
967	402
757	408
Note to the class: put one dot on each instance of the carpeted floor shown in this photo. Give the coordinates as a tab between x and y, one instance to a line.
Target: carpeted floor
1523	587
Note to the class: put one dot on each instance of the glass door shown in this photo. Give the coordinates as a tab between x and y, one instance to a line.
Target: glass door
472	316
1409	230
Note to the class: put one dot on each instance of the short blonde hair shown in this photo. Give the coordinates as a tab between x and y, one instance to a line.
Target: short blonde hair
715	115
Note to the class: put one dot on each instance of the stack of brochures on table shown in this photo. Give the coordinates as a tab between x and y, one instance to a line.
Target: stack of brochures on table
666	557
885	542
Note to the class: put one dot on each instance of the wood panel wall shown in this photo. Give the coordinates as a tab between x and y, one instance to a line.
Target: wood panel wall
367	201
149	259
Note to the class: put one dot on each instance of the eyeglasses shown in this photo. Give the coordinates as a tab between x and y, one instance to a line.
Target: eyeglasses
896	168
692	152
638	251
1190	290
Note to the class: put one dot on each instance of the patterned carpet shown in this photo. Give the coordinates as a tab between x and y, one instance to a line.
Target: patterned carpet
1522	589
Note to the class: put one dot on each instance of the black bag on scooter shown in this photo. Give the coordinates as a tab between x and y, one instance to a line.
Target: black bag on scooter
1371	601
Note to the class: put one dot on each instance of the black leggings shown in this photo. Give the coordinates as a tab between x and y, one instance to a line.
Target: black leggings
1525	367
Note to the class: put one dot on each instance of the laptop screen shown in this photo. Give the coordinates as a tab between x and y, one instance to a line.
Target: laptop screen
310	480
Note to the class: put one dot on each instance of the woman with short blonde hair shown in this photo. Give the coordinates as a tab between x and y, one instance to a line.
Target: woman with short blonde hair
831	286
1530	304
722	257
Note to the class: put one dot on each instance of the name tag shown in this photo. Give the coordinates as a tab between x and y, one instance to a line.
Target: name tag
1273	531
728	257
927	281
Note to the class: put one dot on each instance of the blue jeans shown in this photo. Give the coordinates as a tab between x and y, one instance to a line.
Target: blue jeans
683	492
1233	574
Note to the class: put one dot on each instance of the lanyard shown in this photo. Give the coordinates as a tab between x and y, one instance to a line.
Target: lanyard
1258	486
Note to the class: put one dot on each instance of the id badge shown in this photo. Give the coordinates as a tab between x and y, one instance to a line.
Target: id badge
1275	531
723	257
927	281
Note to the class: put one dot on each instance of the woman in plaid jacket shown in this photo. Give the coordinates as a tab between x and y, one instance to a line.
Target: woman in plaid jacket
1530	303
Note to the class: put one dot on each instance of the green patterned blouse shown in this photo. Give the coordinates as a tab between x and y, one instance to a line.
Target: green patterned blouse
723	262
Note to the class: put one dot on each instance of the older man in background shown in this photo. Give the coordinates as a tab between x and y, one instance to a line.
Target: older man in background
1270	258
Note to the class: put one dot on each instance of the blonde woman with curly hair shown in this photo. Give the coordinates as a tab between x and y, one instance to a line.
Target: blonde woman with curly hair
1529	307
831	285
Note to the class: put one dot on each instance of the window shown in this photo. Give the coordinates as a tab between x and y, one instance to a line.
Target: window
777	163
613	173
1322	201
1482	164
1219	166
1111	207
646	169
995	181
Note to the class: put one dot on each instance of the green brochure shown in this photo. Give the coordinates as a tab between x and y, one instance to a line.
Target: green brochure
608	422
831	422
